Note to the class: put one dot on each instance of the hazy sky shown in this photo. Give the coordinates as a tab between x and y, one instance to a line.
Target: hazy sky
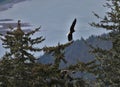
55	16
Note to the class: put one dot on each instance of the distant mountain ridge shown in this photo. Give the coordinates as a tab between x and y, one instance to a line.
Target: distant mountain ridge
79	51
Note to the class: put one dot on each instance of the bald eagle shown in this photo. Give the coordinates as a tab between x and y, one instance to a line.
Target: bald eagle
70	37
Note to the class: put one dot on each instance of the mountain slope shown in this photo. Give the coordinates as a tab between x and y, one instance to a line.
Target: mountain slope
79	51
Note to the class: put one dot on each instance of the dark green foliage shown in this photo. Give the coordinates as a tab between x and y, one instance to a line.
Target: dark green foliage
17	64
109	60
19	43
57	52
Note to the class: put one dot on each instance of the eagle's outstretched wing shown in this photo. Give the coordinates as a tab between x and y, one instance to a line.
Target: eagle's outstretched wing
72	26
70	37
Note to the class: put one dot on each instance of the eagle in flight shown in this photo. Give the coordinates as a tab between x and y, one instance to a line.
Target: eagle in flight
70	37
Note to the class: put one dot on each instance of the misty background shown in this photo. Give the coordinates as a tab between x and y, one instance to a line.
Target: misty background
55	17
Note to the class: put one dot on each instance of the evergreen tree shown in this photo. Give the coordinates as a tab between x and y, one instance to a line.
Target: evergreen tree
108	71
16	65
19	43
64	77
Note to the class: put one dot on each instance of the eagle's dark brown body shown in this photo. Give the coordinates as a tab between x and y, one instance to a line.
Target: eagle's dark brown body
70	37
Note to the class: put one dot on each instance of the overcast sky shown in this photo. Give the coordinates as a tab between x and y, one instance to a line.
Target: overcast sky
55	16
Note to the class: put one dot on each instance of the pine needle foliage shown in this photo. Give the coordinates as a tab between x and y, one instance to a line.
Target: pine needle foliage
17	64
64	77
109	60
19	43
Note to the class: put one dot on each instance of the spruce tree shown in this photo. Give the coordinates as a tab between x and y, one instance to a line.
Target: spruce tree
19	43
16	65
58	53
64	76
108	71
